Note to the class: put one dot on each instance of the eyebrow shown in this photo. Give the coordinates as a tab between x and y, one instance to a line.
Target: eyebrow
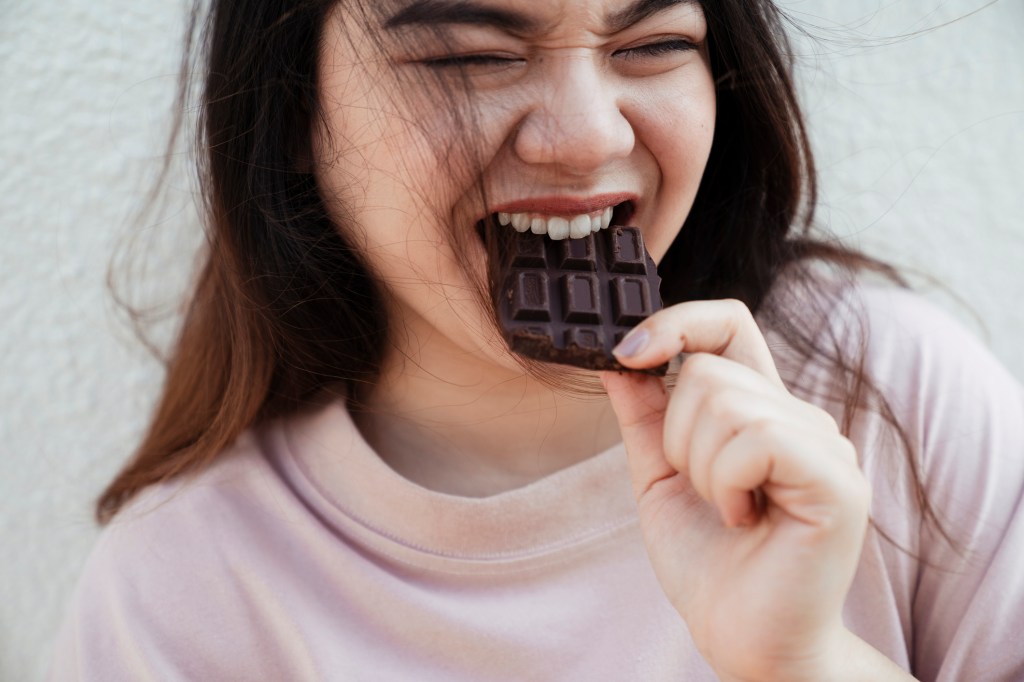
437	12
467	12
640	10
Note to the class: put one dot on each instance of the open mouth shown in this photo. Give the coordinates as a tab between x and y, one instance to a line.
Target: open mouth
560	227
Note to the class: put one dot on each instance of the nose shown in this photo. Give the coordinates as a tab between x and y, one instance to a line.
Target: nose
575	121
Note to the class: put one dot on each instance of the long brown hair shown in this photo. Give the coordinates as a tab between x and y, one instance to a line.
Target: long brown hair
284	306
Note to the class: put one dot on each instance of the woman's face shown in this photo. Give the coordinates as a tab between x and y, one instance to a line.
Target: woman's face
562	112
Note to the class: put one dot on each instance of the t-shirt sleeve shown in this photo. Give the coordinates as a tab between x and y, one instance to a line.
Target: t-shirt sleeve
964	414
117	627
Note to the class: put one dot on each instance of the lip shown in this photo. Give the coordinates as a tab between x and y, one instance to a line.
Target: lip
565	206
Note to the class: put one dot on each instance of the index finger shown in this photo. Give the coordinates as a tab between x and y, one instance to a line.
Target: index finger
725	328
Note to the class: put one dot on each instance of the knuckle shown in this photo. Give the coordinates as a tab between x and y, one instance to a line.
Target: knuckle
848	451
737	308
739	313
722	405
826	420
852	487
688	370
855	495
767	431
698	370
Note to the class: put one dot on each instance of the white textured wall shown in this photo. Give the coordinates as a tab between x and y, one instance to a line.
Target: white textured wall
920	145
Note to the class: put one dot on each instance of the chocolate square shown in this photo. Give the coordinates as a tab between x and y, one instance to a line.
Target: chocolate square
571	301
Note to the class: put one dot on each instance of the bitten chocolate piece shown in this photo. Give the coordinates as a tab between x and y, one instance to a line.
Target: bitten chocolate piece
571	301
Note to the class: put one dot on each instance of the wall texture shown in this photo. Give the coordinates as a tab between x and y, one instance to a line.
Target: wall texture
918	129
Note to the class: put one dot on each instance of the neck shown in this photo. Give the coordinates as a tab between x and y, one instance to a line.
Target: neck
455	423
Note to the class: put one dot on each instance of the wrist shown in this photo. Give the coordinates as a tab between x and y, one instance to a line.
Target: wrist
854	660
843	657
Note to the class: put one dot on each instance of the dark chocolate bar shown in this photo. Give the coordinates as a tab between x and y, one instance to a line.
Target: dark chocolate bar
571	301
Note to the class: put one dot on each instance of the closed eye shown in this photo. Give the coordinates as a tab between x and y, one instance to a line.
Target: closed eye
468	60
658	49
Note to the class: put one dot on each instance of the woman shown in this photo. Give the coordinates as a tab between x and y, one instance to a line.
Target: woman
349	476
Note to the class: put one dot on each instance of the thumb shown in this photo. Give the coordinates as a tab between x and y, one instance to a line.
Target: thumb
640	401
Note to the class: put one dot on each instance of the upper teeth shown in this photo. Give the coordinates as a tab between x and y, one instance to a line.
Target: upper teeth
558	227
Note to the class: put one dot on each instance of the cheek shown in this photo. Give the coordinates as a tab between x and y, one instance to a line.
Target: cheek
369	162
393	181
369	155
680	140
682	122
677	130
382	140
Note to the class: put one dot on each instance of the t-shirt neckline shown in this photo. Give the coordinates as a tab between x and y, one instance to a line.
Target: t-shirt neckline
327	456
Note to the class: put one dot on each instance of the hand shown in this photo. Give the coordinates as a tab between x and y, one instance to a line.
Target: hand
751	502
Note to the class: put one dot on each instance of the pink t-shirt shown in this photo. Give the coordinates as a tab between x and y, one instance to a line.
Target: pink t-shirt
299	555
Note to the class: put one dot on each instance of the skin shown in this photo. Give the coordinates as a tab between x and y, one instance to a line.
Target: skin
751	503
565	112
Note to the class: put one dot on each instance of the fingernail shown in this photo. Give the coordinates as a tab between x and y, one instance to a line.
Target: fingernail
634	342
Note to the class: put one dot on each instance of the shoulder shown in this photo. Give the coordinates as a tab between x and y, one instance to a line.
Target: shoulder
942	383
189	512
963	411
907	336
960	412
164	589
918	357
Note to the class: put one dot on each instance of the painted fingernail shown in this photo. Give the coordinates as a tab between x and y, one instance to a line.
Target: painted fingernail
633	344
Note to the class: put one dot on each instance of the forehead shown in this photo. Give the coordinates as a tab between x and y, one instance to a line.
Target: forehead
527	17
